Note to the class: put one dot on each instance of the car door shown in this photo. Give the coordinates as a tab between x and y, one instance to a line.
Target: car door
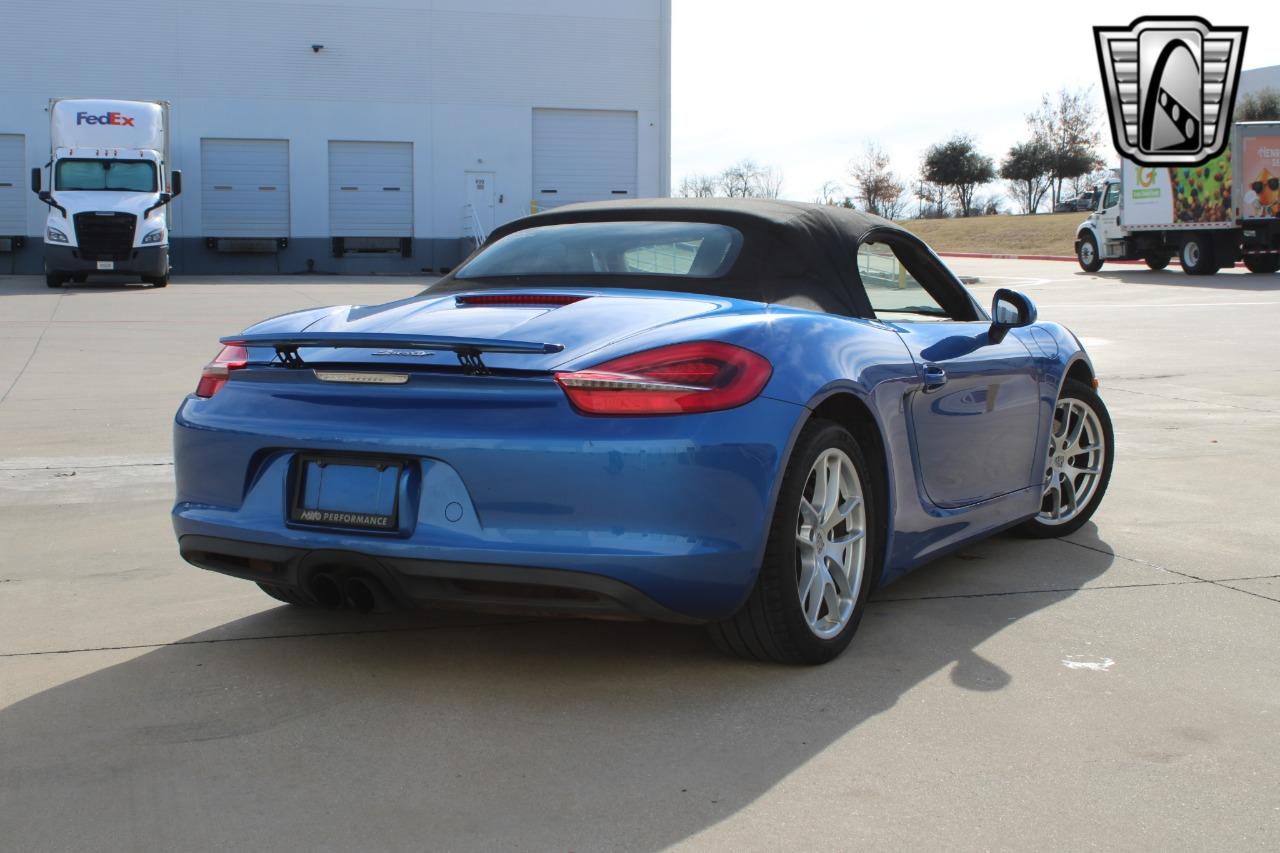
975	414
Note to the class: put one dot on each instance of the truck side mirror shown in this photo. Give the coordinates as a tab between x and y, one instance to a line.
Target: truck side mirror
35	180
175	183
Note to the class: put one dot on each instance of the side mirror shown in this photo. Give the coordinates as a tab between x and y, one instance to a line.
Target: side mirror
175	183
1010	310
35	180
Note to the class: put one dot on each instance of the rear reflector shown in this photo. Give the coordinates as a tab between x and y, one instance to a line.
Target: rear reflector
519	299
215	373
703	376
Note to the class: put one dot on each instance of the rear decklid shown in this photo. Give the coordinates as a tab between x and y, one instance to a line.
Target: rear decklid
505	331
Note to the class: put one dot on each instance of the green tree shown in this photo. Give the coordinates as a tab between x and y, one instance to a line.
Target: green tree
1262	105
1028	169
958	168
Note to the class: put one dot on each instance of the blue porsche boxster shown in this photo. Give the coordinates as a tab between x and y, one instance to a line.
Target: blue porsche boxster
748	414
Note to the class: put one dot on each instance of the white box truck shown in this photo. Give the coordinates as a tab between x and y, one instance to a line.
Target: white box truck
107	187
1205	215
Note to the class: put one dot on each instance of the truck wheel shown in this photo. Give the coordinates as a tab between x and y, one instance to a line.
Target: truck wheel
52	280
1157	260
159	281
1197	257
1087	253
1262	263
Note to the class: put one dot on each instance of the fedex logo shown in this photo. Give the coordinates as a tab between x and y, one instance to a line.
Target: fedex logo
106	118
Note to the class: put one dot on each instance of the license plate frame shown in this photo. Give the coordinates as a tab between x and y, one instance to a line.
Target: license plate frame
361	472
106	265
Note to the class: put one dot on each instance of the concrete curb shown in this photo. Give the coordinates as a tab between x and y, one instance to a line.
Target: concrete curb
1032	257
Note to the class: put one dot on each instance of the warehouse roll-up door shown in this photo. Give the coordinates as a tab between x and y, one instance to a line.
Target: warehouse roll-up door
244	187
371	189
583	155
15	183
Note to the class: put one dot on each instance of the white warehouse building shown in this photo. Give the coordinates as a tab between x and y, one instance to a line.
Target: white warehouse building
350	135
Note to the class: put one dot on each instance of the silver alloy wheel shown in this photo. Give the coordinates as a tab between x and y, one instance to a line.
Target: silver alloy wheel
1086	251
830	543
1076	457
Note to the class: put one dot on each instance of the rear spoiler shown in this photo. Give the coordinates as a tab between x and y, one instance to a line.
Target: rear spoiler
468	350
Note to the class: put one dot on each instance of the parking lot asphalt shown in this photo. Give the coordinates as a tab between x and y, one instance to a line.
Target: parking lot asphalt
1116	690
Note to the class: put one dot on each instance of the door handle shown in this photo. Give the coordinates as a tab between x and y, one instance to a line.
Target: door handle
934	377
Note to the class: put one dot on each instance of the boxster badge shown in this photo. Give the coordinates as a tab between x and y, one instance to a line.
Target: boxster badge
1170	84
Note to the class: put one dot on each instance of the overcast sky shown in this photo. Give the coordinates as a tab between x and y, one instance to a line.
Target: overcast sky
803	84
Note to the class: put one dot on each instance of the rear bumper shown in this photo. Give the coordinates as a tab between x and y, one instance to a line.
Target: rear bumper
664	517
417	582
143	260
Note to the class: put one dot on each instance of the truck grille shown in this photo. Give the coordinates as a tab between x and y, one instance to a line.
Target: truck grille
105	236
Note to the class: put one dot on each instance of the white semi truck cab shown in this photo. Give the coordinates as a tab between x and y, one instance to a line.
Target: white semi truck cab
108	187
1208	216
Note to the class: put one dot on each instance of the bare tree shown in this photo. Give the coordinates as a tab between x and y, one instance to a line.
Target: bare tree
1068	125
831	193
768	182
739	180
931	200
877	187
697	186
744	179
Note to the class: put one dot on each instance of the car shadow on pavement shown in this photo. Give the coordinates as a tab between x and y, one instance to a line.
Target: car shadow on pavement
423	732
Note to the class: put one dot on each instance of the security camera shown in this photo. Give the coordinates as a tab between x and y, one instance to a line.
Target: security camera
316	48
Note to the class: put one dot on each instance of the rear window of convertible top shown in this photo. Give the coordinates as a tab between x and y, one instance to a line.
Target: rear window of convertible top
688	249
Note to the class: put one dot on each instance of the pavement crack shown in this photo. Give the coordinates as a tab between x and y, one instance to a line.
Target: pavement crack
31	355
1111	387
1046	591
1222	582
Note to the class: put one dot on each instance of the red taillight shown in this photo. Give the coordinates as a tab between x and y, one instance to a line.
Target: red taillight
215	373
518	299
704	376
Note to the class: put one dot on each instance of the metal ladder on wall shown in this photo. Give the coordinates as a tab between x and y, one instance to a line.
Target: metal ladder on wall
471	227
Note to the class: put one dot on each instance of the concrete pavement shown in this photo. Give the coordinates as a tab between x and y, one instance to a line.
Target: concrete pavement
1119	690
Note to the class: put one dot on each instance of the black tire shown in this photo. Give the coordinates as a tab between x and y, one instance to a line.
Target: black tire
770	625
1262	263
159	281
1087	253
1197	255
1035	528
51	280
1158	260
287	595
80	277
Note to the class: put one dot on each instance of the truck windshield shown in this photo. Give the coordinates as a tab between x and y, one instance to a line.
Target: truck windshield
138	176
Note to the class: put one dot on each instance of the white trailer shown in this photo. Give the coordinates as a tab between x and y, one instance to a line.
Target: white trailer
107	186
1205	215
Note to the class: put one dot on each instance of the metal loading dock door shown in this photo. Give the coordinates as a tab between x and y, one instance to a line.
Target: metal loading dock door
371	189
15	183
583	155
244	188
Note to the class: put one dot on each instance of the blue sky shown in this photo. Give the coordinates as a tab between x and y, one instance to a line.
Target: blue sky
802	85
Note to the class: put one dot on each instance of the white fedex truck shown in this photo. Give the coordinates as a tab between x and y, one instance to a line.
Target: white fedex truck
1208	216
107	188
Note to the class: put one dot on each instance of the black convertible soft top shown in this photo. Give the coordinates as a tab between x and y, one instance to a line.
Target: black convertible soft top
797	254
